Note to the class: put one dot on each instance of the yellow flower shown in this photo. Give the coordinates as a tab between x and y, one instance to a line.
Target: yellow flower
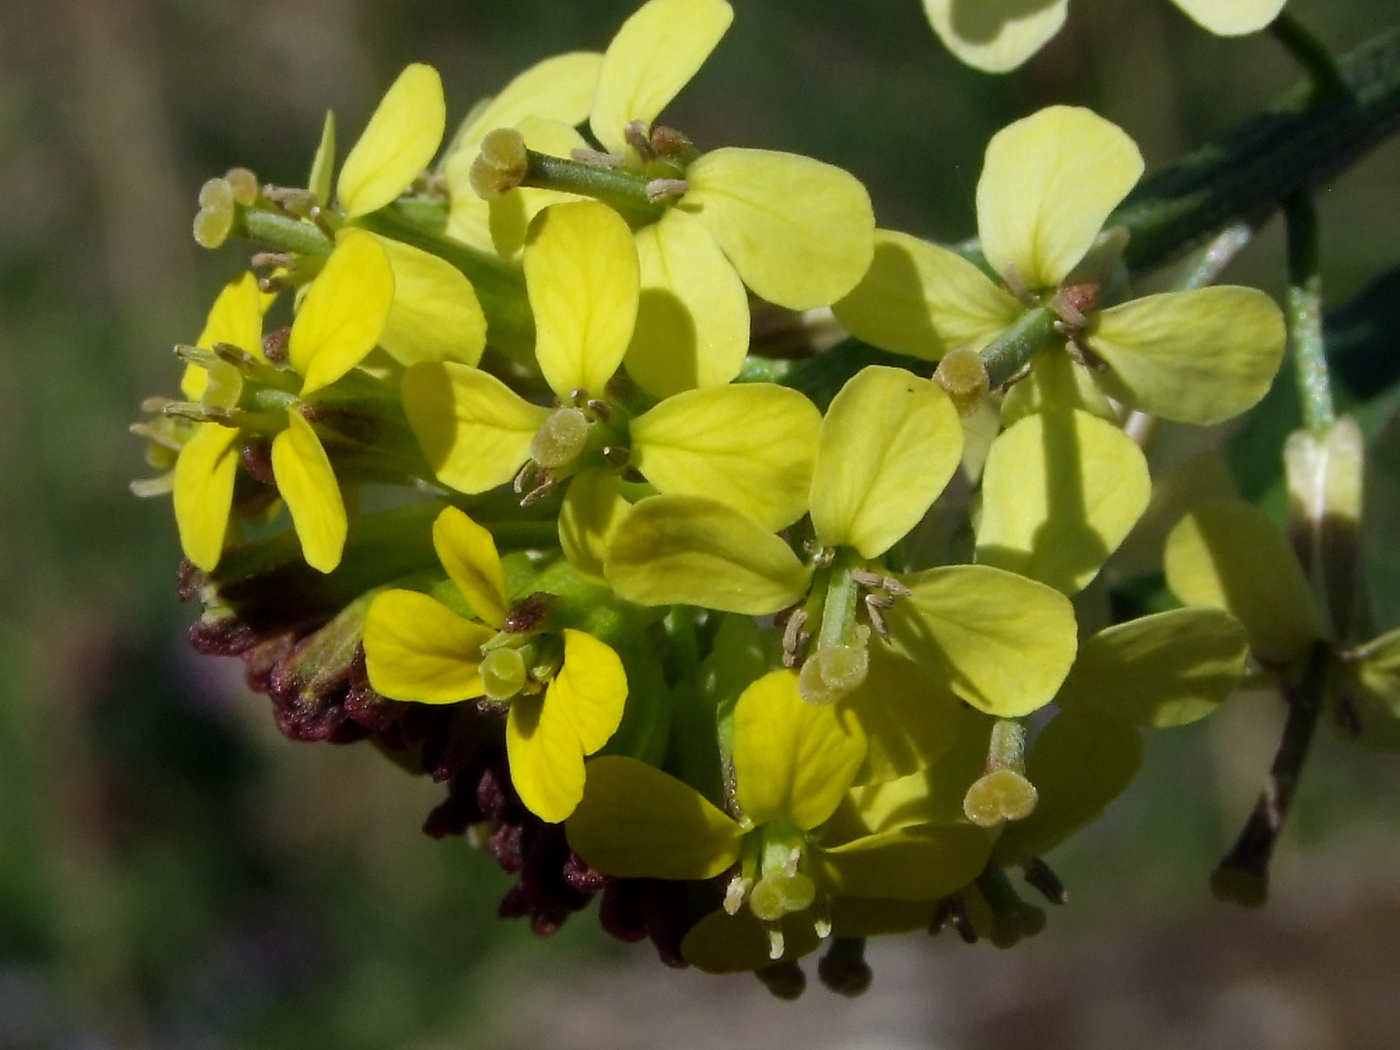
793	765
1049	183
566	701
340	321
752	445
794	230
998	35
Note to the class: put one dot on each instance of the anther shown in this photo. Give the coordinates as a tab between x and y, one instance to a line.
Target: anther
735	893
1016	285
539	493
659	190
275	346
617	455
596	158
874	608
524	476
794	637
600	409
639	138
277	260
151	434
1065	306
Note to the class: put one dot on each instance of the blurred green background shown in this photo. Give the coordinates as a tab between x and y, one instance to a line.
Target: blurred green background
175	874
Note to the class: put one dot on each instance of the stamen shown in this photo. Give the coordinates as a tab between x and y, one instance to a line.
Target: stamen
735	893
794	637
776	945
639	138
596	158
659	190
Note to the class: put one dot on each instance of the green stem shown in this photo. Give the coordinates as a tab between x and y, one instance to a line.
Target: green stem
1015	347
1243	875
839	607
1302	141
1305	313
1310	53
622	189
1211	263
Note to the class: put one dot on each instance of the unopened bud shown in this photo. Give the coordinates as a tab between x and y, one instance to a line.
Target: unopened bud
963	376
560	439
785	980
501	165
216	212
1002	794
843	968
833	673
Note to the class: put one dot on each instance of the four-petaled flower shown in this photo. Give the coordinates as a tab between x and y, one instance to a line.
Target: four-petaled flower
566	694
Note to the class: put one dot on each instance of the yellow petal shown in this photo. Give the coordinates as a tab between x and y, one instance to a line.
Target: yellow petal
559	88
307	483
908	864
889	443
1165	669
418	649
546	763
204	476
581	275
436	315
638	822
723	943
590	689
1049	182
907	716
343	313
397	144
1200	357
792	760
801	233
693	316
235	318
1228	555
995	35
593	509
1056	381
1000	641
751	446
1078	765
923	300
474	430
1060	491
468	553
688	550
1231	17
651	58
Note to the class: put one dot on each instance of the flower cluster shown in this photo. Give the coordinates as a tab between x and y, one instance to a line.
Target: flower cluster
763	670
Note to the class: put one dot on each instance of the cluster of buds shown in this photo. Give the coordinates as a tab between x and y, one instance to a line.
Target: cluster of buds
762	661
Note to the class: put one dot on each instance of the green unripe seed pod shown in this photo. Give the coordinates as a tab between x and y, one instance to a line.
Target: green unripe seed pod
503	673
561	439
1002	794
501	165
833	673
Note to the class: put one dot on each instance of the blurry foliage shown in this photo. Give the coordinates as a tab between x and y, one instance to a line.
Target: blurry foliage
171	871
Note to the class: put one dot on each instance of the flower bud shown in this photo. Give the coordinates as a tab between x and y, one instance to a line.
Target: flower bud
244	185
501	165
